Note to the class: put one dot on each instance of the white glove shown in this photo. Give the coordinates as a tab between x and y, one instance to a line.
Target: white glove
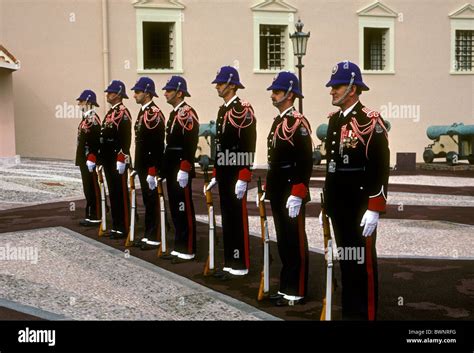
321	218
151	180
211	184
90	166
182	178
258	200
294	204
121	167
369	222
240	188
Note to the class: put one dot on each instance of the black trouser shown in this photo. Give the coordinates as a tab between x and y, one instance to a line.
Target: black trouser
150	200
182	213
359	277
235	228
292	245
118	193
91	192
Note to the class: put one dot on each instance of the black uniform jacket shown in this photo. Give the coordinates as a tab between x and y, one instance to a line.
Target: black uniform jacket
182	134
358	160
88	138
290	151
236	139
149	139
116	135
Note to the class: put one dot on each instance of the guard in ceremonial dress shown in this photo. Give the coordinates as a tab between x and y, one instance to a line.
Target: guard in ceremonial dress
356	187
149	146
235	149
290	165
182	134
115	139
88	142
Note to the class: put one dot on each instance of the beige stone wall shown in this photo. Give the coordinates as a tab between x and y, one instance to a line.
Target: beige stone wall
7	123
60	58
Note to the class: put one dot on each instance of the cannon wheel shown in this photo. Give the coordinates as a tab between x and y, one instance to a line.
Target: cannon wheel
452	158
317	157
428	156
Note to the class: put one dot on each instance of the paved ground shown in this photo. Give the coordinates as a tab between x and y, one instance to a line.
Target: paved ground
426	238
67	274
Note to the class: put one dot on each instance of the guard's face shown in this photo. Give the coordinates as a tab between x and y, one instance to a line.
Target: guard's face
111	97
82	105
170	96
139	96
277	96
337	92
220	87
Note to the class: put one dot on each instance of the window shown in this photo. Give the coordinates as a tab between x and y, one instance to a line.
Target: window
272	47
464	50
374	48
159	37
377	39
462	40
158	45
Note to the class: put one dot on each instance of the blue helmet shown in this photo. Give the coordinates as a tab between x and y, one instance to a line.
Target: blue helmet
346	73
116	86
177	83
286	81
228	74
145	84
88	96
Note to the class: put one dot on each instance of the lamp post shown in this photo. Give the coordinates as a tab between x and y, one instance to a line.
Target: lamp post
300	41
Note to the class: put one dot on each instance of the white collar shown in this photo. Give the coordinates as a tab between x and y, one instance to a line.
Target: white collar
113	107
230	100
144	106
179	105
89	112
348	110
282	114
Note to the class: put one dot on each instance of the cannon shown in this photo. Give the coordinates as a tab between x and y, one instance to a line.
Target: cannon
464	143
320	151
208	132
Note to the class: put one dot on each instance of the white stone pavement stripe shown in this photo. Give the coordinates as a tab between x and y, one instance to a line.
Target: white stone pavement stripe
395	238
426	180
4	185
118	286
399	198
45	175
31	310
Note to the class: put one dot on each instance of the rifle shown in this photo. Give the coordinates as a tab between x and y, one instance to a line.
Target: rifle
103	225
162	250
327	301
131	233
209	268
264	288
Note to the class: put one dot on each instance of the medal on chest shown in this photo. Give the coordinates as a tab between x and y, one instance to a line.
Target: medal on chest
348	139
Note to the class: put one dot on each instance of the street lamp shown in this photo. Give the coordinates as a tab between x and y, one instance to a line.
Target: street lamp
300	41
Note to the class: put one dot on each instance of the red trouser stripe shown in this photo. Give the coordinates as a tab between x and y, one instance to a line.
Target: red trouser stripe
370	280
246	231
189	216
158	214
98	202
125	203
302	254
